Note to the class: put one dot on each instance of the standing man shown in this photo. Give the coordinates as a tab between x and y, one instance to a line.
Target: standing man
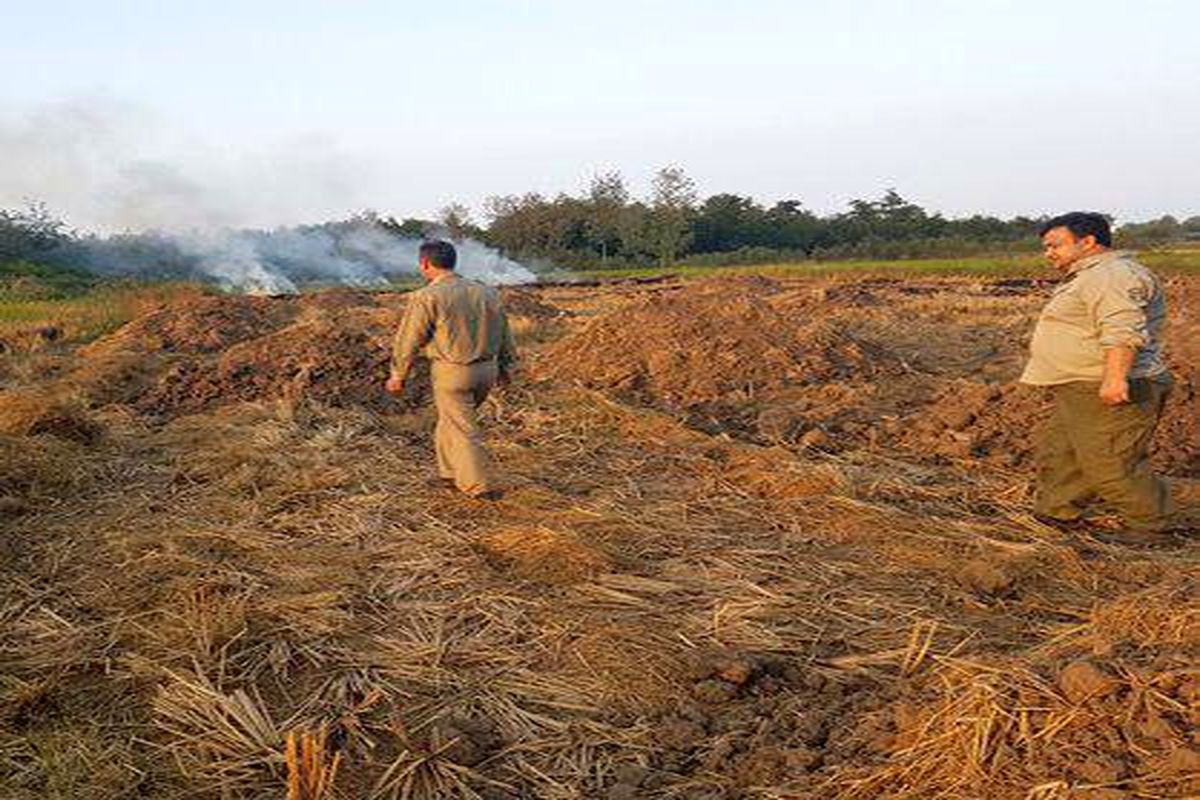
1098	347
461	328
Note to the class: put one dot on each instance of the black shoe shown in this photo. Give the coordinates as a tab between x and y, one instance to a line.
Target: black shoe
491	495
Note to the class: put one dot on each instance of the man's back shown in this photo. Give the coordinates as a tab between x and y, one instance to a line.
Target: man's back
457	321
469	322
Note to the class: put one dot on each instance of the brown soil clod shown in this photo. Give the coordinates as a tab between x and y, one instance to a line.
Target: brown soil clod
1084	680
715	692
986	577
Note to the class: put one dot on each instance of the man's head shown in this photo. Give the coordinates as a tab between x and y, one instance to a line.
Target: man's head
435	258
1070	237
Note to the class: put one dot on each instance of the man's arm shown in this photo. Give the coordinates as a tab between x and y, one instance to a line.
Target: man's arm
1114	386
414	332
506	358
1119	305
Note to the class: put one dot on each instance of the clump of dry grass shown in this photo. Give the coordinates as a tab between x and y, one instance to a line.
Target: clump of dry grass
1162	617
424	771
1165	616
777	474
34	474
82	762
52	412
311	770
1002	730
224	740
545	555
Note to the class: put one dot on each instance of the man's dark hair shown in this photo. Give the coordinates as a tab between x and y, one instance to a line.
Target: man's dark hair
439	253
1081	224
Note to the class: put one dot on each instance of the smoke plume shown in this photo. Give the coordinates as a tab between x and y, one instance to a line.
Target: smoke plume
159	204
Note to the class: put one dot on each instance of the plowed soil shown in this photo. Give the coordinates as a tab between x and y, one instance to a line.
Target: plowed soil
762	538
926	367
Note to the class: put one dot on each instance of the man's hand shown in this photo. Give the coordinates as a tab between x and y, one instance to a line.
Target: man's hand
395	385
1114	386
1114	391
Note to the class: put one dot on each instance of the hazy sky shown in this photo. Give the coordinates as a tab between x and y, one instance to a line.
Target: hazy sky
130	114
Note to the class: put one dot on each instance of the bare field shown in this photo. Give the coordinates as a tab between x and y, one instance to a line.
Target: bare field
765	537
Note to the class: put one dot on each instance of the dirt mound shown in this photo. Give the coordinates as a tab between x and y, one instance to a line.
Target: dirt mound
999	423
206	324
848	364
967	419
333	347
1178	440
765	721
342	361
337	300
717	349
523	303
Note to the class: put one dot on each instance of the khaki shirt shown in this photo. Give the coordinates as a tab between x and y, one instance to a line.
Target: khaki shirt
1108	300
454	320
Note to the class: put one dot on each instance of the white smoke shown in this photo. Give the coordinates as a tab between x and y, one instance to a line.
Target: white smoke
279	261
113	168
234	262
110	167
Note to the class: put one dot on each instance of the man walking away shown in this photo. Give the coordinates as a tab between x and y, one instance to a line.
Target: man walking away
1098	347
461	328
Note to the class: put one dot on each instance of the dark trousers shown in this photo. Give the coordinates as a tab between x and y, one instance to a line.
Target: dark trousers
1089	450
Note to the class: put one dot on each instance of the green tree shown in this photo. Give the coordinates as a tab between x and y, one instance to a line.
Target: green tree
792	227
607	212
456	220
1163	230
532	226
672	203
727	222
30	234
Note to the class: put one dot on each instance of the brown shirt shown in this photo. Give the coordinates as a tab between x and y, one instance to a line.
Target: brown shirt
454	320
1108	300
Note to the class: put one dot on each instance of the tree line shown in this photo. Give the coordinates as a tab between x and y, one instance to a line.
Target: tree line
606	226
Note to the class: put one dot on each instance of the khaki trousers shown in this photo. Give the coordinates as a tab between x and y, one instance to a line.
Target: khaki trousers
1089	450
458	390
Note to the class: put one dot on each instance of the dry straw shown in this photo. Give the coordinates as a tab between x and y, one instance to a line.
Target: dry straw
269	594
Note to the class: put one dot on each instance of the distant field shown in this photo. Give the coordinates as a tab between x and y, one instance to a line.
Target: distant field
1166	261
82	312
87	315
